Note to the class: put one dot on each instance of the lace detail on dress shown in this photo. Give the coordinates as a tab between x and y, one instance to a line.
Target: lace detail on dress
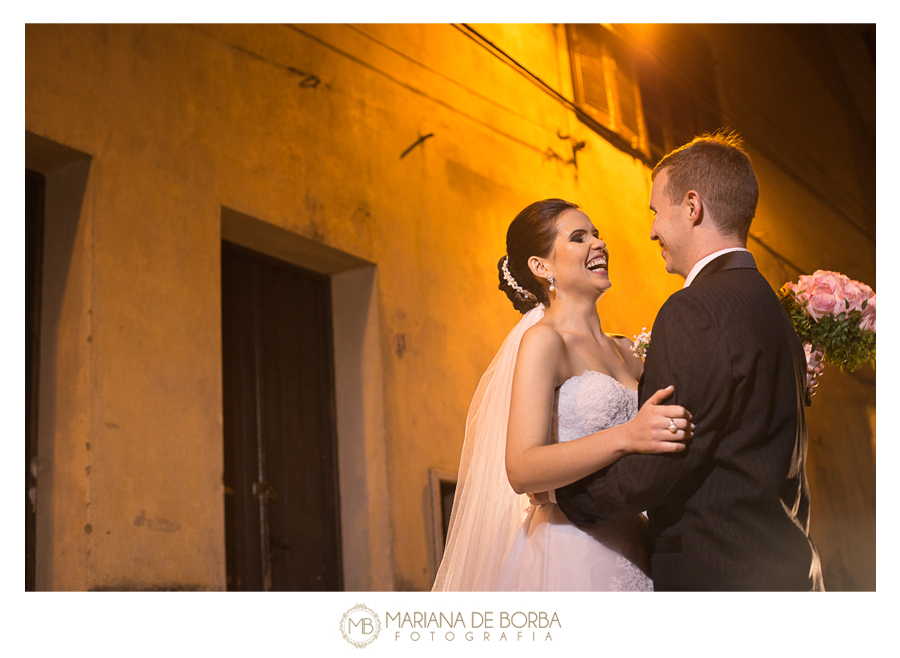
579	415
633	578
579	411
552	554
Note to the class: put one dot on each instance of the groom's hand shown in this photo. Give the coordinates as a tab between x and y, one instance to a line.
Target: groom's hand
536	499
814	366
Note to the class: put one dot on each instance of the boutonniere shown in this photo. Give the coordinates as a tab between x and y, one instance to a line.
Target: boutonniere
641	343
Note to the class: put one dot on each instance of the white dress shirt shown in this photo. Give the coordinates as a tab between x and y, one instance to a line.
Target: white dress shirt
695	270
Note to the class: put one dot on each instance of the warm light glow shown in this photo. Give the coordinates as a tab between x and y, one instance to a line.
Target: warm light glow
643	32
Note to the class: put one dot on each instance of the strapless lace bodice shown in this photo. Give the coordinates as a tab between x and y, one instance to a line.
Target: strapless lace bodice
591	402
552	554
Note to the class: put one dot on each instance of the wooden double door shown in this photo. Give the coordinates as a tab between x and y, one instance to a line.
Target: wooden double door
34	248
282	504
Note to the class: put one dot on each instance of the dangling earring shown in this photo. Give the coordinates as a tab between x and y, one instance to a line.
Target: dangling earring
552	283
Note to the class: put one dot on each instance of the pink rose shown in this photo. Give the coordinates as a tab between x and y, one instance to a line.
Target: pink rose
796	290
802	296
855	293
804	283
825	282
868	318
821	304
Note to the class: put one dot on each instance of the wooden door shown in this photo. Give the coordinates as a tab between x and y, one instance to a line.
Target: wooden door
281	480
34	239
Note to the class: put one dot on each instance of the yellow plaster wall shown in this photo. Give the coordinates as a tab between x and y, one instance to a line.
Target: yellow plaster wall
180	121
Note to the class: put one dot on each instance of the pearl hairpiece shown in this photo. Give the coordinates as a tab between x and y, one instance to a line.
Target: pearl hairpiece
512	282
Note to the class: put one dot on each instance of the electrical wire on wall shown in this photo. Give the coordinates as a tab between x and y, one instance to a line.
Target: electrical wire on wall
510	61
698	93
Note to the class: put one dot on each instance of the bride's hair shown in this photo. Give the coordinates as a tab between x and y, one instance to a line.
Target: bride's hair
531	233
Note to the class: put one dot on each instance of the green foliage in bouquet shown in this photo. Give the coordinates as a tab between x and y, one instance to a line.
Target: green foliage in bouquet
844	343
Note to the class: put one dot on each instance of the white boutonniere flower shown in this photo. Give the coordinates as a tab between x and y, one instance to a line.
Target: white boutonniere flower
641	343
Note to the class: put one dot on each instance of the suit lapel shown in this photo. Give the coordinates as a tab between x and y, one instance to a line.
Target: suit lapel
731	261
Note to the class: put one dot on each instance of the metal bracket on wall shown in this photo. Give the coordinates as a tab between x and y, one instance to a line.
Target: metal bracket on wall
577	145
263	489
415	144
309	79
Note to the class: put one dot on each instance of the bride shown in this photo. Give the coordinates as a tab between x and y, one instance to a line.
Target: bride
557	403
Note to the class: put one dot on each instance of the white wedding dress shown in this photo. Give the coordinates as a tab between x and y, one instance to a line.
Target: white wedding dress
550	553
496	540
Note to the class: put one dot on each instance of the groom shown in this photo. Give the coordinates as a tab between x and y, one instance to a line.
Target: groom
732	511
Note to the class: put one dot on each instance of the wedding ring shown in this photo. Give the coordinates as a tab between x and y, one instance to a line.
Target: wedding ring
672	427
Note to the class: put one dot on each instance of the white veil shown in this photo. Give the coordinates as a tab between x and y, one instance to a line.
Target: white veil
487	513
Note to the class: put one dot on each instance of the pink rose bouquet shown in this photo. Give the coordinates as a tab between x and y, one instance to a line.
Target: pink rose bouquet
834	316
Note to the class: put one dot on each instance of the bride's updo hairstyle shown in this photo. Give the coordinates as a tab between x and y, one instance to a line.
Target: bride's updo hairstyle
531	233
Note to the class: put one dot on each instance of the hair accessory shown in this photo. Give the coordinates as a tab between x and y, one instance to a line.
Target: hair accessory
512	282
552	283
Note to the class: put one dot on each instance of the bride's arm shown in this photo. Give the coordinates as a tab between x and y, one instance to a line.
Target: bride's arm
534	465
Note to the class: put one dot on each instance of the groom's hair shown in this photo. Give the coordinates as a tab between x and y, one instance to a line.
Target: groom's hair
717	167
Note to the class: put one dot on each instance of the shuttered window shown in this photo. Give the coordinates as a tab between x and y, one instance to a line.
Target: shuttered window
604	81
655	96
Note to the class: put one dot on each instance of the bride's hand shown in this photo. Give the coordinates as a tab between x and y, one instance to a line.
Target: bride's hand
653	425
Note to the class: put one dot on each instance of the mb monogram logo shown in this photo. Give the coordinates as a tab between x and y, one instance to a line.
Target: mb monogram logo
360	626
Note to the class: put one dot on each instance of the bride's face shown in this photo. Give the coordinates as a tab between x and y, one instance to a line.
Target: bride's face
579	258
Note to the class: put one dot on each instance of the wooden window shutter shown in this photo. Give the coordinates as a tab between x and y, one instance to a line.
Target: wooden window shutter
605	83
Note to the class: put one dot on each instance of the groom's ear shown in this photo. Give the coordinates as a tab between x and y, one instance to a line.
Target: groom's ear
694	206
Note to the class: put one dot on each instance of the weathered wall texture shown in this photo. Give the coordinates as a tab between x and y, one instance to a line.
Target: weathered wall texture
302	128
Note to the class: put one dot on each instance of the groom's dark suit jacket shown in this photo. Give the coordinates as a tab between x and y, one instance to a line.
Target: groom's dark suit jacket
732	511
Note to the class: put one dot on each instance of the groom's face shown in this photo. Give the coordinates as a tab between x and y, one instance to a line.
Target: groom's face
670	226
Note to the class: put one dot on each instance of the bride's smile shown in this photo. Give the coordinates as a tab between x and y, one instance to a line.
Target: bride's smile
597	263
580	259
